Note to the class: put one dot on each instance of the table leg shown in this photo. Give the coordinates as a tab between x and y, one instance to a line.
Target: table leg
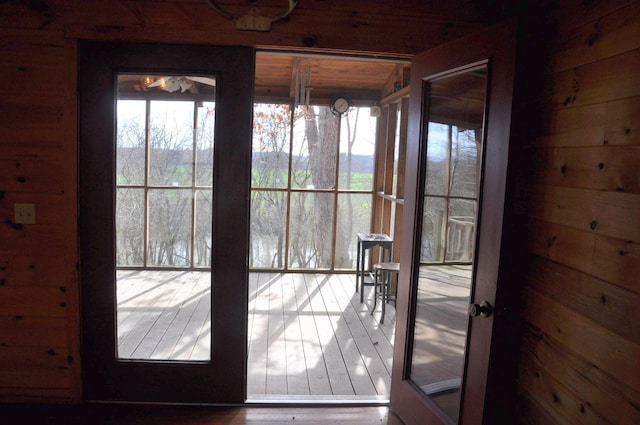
362	258
385	292
358	267
375	291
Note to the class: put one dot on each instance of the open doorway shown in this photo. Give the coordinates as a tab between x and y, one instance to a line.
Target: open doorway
325	168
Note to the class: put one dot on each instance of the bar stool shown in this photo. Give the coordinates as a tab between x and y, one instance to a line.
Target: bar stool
382	284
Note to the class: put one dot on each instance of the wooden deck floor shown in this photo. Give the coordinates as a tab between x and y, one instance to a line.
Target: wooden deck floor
308	335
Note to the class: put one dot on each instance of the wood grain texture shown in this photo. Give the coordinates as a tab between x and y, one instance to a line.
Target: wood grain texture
596	389
605	168
595	82
582	284
613	260
576	334
607	35
33	331
352	25
198	415
32	269
572	14
599	213
609	305
38	273
554	396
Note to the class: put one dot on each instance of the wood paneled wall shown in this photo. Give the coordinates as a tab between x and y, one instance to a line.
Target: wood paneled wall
579	354
581	349
39	309
39	287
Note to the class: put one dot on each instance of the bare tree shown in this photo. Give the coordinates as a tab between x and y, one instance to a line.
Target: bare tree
344	235
270	163
322	141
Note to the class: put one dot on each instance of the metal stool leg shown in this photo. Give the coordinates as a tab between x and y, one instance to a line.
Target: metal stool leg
375	290
379	290
385	292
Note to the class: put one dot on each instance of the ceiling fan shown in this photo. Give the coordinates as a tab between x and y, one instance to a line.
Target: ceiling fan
182	83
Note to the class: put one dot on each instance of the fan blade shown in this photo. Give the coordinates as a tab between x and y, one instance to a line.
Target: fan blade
157	83
204	80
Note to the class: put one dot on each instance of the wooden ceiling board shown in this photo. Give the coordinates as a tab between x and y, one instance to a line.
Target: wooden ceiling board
383	27
372	28
356	78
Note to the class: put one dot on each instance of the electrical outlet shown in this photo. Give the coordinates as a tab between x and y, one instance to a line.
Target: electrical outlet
24	213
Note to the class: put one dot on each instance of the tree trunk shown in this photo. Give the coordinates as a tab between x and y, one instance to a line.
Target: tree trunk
322	141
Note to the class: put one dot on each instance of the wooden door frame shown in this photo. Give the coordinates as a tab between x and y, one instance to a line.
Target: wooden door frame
487	389
223	379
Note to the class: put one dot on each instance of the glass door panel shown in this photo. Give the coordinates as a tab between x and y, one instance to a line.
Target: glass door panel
456	114
164	182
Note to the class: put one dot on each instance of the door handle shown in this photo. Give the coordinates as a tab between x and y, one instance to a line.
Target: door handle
483	309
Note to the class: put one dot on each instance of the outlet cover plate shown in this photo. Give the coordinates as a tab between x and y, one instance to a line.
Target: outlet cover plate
24	213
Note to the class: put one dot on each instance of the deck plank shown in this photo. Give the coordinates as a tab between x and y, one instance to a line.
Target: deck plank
150	306
308	334
257	357
317	373
177	316
297	379
198	323
379	334
276	354
202	348
338	374
347	342
377	371
132	294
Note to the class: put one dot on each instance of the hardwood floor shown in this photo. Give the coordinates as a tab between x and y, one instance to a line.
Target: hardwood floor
309	335
114	414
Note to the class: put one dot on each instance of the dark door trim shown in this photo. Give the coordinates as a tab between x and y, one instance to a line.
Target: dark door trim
223	379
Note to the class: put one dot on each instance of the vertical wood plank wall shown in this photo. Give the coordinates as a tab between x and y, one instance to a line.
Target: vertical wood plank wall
580	359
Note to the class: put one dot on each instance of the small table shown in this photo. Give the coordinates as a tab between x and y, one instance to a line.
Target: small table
367	241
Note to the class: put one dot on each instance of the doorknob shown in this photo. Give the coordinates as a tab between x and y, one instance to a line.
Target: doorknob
485	309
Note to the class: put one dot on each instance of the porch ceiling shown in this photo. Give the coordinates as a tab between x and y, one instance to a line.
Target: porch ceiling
358	79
